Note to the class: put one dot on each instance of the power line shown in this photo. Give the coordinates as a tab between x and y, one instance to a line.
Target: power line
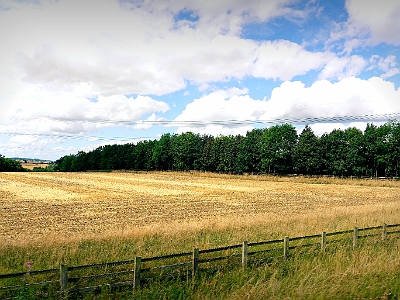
231	122
194	124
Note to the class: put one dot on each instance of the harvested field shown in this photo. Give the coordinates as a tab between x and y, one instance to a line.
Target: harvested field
34	205
31	166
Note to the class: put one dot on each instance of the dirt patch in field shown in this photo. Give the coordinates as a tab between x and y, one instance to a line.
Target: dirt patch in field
41	204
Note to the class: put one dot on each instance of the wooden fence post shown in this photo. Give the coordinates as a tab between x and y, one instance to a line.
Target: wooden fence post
64	278
384	232
245	250
138	267
323	241
355	237
286	247
195	262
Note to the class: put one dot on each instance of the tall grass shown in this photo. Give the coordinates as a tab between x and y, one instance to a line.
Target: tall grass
367	272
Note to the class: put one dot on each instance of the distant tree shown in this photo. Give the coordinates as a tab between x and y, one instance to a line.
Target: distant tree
80	162
94	159
10	165
162	153
354	159
376	149
307	154
124	153
334	151
142	155
277	144
394	148
187	150
65	163
277	149
249	156
227	152
207	158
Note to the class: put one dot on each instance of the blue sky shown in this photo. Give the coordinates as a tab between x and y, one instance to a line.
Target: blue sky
75	75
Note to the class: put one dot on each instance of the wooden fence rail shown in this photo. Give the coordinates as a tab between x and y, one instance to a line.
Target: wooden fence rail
136	271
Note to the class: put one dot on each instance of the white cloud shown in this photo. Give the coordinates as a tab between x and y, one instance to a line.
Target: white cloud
216	130
110	50
390	73
232	111
380	18
148	123
348	97
45	113
321	128
342	67
284	60
222	106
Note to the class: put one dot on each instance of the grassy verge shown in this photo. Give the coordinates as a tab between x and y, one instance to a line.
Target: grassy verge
368	272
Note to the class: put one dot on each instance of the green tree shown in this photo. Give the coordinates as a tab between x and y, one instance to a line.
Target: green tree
394	148
162	153
354	157
109	159
142	155
65	163
306	154
249	156
277	145
10	165
228	150
376	147
334	151
94	159
187	150
207	159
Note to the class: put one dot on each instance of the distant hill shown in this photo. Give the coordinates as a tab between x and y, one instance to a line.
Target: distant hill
32	160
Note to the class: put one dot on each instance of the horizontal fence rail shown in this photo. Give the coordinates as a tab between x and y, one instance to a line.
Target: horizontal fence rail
134	272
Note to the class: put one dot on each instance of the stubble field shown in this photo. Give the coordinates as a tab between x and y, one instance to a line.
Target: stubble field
38	205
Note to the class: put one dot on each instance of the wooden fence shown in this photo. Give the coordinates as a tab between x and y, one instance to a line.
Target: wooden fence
132	273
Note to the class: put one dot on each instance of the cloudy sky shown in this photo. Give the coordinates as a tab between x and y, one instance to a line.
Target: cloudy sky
78	74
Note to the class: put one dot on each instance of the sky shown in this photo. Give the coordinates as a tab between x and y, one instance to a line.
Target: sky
79	74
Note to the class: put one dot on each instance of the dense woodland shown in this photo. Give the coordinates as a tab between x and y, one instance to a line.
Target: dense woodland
278	149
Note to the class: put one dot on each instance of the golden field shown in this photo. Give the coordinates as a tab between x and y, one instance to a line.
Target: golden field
34	206
31	166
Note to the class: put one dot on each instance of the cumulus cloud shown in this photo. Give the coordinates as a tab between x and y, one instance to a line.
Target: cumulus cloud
380	18
133	47
45	113
150	121
321	128
342	67
348	97
233	111
386	64
223	105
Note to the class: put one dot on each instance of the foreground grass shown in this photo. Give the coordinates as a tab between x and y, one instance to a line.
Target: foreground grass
368	272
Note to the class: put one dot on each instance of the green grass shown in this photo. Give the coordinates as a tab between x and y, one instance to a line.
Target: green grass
368	272
371	271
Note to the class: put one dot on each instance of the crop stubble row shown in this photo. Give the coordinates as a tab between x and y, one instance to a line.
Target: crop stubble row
37	204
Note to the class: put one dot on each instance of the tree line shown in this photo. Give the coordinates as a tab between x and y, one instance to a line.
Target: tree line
10	165
277	149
